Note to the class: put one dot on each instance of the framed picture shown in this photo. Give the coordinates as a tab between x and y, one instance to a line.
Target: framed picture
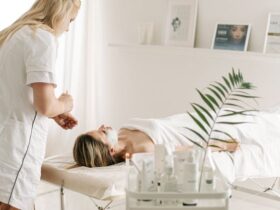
181	22
231	37
272	36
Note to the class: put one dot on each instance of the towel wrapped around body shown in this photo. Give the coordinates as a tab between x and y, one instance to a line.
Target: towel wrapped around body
257	157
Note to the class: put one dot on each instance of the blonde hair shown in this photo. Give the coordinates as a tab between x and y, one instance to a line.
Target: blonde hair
91	152
43	14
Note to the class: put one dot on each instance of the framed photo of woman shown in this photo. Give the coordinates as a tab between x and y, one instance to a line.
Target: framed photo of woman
272	36
231	37
181	22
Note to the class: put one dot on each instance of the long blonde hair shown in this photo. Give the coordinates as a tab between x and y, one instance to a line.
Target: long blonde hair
43	14
91	152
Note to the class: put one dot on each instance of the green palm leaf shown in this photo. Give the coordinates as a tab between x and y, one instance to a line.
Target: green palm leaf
227	83
223	132
219	139
216	94
219	89
213	100
231	123
232	80
197	134
234	105
242	92
225	100
206	100
204	110
223	87
201	115
244	113
193	141
198	123
245	96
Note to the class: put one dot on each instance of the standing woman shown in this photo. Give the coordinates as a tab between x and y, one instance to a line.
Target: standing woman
27	99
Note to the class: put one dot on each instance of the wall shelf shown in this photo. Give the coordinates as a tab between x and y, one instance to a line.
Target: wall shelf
182	49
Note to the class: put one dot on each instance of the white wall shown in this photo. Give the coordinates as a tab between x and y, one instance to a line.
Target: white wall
160	81
121	18
135	81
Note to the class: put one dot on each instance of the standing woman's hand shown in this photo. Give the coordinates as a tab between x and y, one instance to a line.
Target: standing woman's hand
46	103
66	121
67	100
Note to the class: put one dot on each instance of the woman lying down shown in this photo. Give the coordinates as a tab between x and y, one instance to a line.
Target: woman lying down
254	149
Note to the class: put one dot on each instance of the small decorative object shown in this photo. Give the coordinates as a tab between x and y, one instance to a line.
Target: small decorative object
231	37
224	100
145	33
272	36
181	22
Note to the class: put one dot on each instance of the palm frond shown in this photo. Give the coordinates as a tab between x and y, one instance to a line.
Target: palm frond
244	113
197	134
204	110
216	94
223	132
193	141
213	100
224	100
223	87
231	123
201	115
206	100
220	90
200	125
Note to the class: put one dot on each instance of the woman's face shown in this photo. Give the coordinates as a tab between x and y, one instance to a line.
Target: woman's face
63	25
237	32
100	134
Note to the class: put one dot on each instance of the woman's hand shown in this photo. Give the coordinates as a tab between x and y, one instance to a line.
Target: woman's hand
66	121
67	101
230	145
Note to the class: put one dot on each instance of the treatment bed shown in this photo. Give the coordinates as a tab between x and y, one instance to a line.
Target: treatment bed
104	183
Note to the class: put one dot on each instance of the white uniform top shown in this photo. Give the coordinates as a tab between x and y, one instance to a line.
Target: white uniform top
27	57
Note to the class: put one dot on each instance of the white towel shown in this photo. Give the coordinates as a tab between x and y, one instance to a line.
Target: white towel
168	131
259	153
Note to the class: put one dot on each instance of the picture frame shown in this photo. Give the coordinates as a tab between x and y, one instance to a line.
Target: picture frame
181	22
231	36
272	35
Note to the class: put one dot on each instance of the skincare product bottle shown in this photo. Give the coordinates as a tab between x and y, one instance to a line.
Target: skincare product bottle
179	160
159	159
132	182
169	183
208	173
147	181
191	178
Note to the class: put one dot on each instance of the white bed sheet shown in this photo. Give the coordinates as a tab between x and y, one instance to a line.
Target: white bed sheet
259	153
103	183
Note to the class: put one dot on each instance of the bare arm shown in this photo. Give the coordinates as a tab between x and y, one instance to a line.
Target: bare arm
231	145
46	103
